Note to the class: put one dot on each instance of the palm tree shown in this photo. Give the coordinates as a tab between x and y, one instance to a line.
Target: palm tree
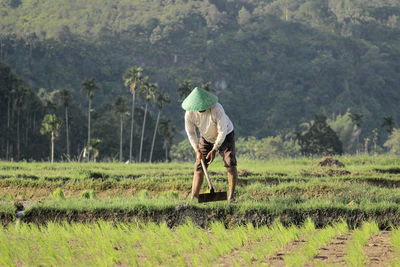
131	78
161	99
51	124
388	122
207	87
357	121
166	130
90	87
121	108
94	146
19	95
184	89
9	98
66	101
148	91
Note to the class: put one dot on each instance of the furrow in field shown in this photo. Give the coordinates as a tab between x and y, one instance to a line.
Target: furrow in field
333	253
379	250
355	255
307	252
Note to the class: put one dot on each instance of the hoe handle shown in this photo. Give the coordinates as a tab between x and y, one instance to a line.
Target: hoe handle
208	178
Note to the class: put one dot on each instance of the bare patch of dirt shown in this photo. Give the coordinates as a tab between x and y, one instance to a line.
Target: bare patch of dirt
325	172
333	253
329	162
278	258
246	173
379	250
389	170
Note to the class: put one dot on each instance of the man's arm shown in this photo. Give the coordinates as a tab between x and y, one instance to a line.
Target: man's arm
191	132
222	127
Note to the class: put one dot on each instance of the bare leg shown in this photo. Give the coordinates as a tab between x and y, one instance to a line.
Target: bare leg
198	177
232	180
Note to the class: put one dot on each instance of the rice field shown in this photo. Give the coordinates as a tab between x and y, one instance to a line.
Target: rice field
288	212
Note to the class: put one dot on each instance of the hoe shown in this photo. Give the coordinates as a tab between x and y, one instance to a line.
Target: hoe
212	196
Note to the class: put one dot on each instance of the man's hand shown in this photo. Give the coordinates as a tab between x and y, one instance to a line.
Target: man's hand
199	156
211	156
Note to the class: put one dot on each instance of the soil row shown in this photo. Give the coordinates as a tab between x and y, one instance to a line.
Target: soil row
203	216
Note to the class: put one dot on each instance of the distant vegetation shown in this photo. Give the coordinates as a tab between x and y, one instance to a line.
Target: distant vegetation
274	65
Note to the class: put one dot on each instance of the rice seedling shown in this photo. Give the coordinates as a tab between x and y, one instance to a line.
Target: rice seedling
319	239
88	194
355	255
57	194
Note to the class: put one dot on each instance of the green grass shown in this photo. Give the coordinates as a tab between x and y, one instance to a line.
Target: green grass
267	189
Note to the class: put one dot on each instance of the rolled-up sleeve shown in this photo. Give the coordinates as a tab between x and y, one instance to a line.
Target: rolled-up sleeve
222	126
191	131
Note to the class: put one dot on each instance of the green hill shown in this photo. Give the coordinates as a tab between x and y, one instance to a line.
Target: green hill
274	63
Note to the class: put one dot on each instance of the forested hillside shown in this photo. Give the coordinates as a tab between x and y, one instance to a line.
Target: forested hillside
274	64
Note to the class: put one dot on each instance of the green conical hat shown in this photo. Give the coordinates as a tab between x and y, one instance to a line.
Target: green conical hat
199	99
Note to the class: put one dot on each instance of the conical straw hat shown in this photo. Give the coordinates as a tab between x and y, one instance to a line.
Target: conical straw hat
199	99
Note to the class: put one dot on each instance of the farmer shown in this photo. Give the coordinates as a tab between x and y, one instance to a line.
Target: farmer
216	134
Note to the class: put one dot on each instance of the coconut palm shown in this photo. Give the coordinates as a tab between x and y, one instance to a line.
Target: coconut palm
94	146
161	99
357	121
388	122
51	124
132	77
184	89
207	87
121	108
19	93
166	130
9	99
66	101
148	92
90	87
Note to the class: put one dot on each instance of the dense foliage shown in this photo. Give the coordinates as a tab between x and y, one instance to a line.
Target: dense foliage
320	139
274	64
22	112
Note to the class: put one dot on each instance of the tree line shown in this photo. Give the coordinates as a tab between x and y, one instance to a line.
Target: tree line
30	120
331	54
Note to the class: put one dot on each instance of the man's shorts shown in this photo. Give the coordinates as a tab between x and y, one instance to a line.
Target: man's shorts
226	150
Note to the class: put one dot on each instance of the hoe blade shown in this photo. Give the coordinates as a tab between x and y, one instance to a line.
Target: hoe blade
217	196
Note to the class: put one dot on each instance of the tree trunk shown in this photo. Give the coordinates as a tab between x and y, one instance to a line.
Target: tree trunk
52	147
8	129
154	136
18	136
358	144
132	122
67	130
286	11
34	120
88	141
120	139
141	139
166	153
26	129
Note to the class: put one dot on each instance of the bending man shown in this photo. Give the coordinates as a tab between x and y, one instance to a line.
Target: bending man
216	134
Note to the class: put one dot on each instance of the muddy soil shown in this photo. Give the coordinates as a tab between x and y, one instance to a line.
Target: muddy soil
329	162
278	258
333	253
6	218
379	250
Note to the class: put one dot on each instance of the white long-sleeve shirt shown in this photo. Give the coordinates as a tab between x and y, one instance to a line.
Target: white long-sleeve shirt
213	125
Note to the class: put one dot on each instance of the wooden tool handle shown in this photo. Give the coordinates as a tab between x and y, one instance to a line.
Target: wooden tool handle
208	178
